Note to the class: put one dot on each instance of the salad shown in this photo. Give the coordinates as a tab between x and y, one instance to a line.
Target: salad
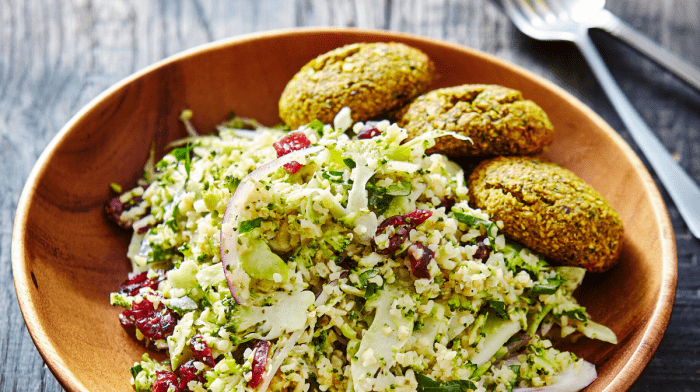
335	257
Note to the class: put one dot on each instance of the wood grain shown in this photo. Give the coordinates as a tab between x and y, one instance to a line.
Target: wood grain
55	56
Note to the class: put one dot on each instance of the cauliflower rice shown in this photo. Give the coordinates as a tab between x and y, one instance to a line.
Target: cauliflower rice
332	299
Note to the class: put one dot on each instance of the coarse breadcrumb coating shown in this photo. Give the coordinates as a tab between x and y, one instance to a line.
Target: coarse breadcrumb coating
549	209
369	78
497	119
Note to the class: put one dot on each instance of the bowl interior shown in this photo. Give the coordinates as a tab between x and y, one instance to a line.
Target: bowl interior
67	258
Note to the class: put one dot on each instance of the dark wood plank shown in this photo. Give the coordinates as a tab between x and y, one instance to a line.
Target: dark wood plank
56	56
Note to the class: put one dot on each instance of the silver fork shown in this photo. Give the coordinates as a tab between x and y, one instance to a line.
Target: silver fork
565	20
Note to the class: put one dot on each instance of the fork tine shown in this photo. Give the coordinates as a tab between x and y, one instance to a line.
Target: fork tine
544	10
528	11
559	7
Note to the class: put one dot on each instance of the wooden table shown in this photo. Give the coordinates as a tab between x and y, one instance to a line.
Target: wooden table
57	55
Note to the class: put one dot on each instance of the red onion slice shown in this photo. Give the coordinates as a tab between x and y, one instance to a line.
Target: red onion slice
568	380
231	220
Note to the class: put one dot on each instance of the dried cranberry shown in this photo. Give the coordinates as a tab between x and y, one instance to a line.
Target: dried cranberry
292	167
483	251
416	217
188	372
166	381
402	225
262	349
137	281
201	351
126	318
292	141
154	322
368	131
114	208
420	255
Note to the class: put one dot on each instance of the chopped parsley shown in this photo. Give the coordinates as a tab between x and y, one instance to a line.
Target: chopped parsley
249	225
427	384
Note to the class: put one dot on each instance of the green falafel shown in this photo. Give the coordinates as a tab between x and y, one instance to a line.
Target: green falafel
369	78
548	209
497	119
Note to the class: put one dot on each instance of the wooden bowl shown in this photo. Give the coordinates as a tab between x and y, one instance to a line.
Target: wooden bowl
67	257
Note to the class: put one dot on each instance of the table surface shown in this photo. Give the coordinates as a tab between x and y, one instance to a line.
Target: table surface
55	56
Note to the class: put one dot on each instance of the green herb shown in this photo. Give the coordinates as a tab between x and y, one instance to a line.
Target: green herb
378	199
427	384
159	253
499	307
550	287
135	370
577	314
183	153
172	223
370	288
367	275
402	188
349	163
249	225
475	222
468	219
333	176
317	126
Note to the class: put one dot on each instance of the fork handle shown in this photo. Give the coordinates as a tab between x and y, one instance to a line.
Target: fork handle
680	186
607	21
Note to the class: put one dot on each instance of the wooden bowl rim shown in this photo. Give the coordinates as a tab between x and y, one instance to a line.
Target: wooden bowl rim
631	370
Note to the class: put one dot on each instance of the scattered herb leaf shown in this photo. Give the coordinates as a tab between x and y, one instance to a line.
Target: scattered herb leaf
577	314
499	307
427	384
402	188
317	126
183	153
550	287
249	225
135	370
370	288
468	219
367	275
172	223
378	199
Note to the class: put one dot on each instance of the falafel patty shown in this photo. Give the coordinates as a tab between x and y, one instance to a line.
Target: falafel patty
369	78
497	119
548	209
